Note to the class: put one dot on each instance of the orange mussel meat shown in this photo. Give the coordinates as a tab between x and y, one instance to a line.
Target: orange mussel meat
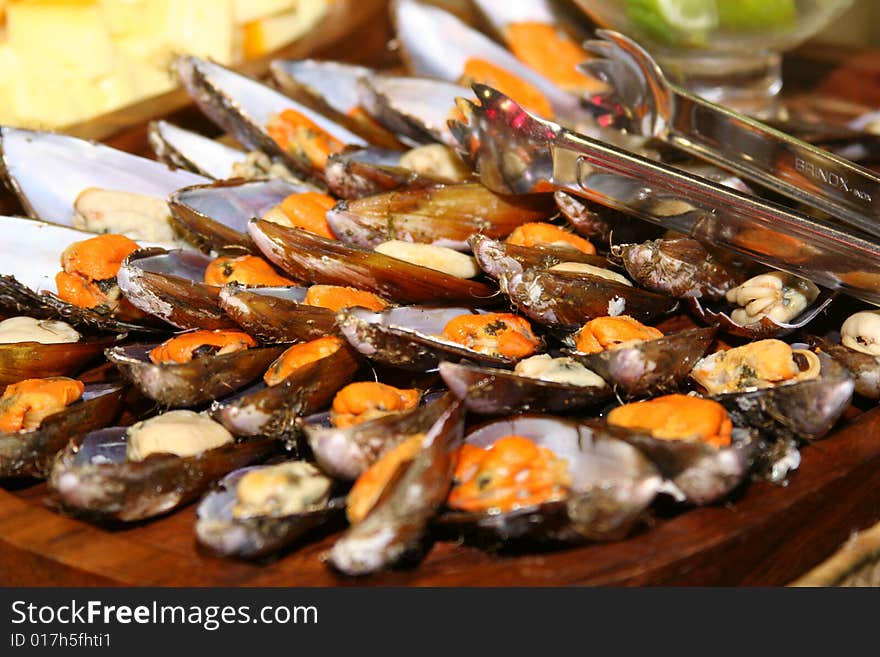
538	233
512	473
337	297
677	417
369	486
184	347
303	138
24	405
89	262
612	333
549	50
501	334
247	270
300	355
305	210
523	92
367	400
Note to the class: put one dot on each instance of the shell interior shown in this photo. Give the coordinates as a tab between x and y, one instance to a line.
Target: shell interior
436	44
334	82
49	171
255	102
192	151
409	336
235	204
418	108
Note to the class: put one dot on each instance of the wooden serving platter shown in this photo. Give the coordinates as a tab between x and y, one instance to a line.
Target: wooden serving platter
764	535
769	535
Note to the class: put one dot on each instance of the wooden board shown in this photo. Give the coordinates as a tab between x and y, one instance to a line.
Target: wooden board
767	535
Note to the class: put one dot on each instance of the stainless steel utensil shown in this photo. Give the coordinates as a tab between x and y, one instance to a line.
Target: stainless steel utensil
515	152
641	100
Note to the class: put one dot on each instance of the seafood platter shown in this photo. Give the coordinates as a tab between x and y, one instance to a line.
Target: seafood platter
376	338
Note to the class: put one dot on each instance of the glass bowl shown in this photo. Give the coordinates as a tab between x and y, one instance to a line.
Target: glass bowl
727	51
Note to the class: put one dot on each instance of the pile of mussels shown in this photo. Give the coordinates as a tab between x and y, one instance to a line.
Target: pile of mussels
337	320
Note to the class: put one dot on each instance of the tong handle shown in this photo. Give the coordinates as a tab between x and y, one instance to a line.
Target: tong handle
758	229
775	160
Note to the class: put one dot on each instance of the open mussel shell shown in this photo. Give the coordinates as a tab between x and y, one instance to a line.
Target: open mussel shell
564	299
309	257
650	367
680	268
255	537
864	368
277	314
394	528
263	410
345	453
332	83
169	285
215	216
362	172
613	485
492	391
701	473
184	149
766	327
806	410
494	256
416	108
408	337
30	453
93	477
33	360
243	107
446	215
185	385
436	44
330	88
31	258
48	172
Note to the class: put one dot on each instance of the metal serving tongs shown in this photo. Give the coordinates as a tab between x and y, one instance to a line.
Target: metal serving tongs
642	101
515	152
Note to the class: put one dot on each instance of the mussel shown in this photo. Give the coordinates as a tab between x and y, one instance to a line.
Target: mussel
346	452
417	108
244	107
394	527
610	486
354	174
227	532
493	391
94	476
277	314
29	453
215	216
650	366
330	88
564	298
309	257
170	285
446	215
202	379
50	173
24	357
189	150
272	410
32	259
410	337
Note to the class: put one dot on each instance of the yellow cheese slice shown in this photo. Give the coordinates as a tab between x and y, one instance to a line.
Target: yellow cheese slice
263	36
60	39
